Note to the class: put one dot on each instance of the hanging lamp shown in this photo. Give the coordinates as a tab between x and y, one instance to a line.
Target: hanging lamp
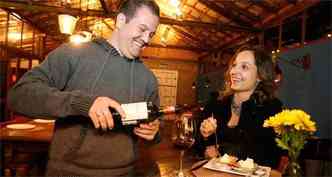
67	23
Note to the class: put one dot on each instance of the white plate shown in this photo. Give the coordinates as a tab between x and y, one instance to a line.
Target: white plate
217	166
43	121
21	126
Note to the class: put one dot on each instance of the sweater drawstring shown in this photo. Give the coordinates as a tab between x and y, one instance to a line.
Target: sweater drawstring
84	129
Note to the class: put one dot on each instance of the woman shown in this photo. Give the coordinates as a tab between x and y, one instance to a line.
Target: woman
247	101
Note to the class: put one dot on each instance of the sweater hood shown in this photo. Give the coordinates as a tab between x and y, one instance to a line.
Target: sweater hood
109	48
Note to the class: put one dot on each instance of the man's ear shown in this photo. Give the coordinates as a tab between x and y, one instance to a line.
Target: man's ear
120	20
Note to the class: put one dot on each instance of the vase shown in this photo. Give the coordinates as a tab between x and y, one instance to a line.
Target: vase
293	168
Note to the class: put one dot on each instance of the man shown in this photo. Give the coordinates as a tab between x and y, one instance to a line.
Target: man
78	85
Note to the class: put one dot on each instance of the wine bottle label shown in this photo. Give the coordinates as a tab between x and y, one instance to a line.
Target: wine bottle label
135	111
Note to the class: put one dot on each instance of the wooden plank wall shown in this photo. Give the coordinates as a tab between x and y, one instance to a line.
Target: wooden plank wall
187	73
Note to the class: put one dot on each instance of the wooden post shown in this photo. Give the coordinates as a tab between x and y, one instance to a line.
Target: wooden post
33	47
18	64
261	39
7	114
280	36
9	73
303	27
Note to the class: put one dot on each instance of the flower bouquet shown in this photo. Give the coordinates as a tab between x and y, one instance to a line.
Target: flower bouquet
293	127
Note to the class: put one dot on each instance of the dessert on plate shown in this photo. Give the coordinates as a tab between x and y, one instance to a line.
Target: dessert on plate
247	165
227	159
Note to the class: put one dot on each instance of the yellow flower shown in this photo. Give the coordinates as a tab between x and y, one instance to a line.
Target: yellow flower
292	127
295	119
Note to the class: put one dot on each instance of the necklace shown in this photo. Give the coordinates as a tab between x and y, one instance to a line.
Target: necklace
236	108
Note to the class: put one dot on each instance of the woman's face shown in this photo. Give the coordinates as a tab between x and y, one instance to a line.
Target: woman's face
243	72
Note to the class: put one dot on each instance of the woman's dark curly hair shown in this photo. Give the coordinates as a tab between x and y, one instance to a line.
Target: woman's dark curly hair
265	89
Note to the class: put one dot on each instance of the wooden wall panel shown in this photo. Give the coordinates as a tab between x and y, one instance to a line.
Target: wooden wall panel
187	73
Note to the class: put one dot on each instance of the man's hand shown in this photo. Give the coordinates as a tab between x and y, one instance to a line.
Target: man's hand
208	127
100	113
147	130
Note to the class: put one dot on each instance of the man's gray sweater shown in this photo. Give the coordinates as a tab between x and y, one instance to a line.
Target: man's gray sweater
64	87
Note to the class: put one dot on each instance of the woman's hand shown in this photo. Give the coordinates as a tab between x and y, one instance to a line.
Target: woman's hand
208	127
211	152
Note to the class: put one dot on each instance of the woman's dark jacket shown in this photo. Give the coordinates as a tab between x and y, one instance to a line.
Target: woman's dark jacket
249	138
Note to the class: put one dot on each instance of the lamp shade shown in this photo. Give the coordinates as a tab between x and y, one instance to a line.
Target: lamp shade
67	23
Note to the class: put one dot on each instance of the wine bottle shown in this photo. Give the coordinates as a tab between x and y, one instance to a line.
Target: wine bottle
153	111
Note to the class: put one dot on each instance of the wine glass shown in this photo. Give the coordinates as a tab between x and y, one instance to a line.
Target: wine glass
184	137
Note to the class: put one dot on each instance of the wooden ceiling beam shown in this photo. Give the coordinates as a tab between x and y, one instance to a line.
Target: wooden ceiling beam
266	6
193	49
191	37
224	12
104	5
37	27
292	1
18	5
235	42
28	21
230	5
218	26
286	12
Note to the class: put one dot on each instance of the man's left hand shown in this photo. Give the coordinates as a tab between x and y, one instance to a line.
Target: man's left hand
147	130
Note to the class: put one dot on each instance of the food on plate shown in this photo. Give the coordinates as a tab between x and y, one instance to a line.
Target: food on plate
247	164
260	172
227	159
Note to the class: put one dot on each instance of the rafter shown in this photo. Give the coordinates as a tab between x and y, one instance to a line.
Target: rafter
224	12
292	1
195	49
248	14
218	26
104	5
28	21
286	12
107	25
267	7
190	36
36	26
239	40
77	12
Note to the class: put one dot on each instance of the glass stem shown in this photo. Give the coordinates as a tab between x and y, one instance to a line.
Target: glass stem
181	158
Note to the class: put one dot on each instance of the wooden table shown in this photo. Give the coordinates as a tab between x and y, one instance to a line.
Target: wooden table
43	132
169	168
24	147
164	155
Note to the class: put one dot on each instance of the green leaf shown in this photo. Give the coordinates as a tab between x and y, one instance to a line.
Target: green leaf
281	144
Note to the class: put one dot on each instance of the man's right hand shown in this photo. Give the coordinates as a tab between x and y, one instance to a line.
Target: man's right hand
100	113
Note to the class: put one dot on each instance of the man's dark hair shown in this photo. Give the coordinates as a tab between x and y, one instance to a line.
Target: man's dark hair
129	7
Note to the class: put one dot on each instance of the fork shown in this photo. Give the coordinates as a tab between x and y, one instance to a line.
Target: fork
216	139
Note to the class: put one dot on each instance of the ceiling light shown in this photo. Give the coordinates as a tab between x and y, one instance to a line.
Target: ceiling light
67	23
171	8
16	15
175	3
81	37
14	36
164	36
